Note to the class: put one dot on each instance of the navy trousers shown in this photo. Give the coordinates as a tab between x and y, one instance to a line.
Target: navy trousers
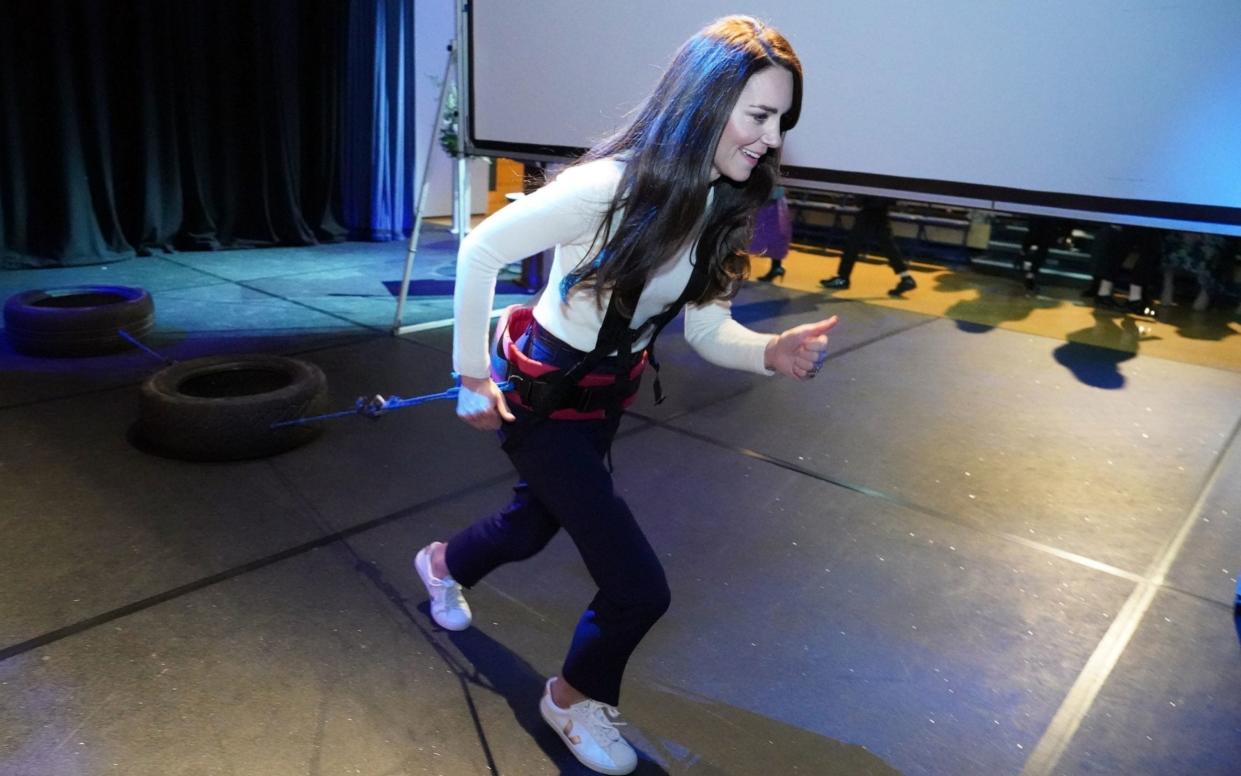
565	483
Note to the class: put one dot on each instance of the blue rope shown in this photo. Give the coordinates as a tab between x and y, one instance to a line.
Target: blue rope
377	405
130	338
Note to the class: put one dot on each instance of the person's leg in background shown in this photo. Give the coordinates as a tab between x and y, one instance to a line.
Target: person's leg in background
892	251
1148	243
859	236
1041	235
1112	244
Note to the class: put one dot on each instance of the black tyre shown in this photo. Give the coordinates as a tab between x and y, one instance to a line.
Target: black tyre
222	408
77	321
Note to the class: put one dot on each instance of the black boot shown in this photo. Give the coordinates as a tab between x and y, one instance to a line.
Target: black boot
776	272
906	283
1142	309
836	282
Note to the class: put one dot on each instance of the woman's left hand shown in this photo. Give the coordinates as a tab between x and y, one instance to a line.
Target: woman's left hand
799	352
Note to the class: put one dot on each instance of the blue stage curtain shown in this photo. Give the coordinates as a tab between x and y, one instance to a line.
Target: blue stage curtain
134	126
377	176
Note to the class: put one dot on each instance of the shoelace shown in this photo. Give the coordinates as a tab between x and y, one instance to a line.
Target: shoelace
603	720
450	593
454	593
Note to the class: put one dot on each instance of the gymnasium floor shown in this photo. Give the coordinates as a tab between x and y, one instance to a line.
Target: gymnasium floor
982	541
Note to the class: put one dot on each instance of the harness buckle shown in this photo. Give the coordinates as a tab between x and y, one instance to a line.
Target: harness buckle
584	398
524	386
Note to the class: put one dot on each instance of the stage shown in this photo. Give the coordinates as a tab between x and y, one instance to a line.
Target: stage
962	549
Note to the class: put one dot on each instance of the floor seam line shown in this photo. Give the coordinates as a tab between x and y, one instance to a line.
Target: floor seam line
103	618
392	597
1046	755
1075	558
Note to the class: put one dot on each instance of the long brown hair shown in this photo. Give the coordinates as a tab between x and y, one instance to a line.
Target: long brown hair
668	149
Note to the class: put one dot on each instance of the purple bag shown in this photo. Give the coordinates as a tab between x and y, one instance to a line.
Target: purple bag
773	229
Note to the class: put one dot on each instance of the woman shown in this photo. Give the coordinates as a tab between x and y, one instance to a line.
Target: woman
654	218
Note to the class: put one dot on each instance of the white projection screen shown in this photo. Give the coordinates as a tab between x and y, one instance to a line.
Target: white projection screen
1118	110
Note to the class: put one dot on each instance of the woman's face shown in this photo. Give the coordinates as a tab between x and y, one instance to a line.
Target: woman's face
754	125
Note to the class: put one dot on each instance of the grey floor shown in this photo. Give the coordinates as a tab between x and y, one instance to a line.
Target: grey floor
952	553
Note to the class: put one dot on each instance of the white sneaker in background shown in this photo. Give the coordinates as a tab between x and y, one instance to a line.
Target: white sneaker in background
589	730
448	605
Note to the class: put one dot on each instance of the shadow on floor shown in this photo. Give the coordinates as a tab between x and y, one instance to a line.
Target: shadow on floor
496	669
1094	354
715	739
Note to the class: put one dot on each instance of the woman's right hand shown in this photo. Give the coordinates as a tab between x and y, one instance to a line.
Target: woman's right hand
481	403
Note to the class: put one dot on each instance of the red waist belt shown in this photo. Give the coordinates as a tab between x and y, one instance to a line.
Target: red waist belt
537	388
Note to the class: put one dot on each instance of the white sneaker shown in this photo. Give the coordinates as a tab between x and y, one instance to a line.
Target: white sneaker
589	730
448	606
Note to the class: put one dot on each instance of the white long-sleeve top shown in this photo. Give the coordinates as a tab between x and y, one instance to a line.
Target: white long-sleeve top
564	215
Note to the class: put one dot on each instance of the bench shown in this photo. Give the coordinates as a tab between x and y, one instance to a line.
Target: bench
927	229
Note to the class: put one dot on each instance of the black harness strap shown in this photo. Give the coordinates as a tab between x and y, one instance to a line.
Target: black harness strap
615	335
545	395
693	290
559	389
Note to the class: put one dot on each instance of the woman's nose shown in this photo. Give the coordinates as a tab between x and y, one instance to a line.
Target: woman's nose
771	135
